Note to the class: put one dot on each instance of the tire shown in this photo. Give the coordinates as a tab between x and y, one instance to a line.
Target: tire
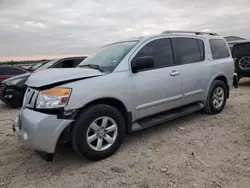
210	106
82	129
239	67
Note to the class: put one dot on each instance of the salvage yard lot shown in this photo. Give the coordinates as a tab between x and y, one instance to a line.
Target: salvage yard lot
198	150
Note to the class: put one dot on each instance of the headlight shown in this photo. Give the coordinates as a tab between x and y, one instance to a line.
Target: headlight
53	98
14	82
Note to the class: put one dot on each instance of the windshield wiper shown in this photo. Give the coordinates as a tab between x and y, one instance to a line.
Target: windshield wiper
92	66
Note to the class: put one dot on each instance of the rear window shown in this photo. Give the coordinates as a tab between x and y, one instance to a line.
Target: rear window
241	49
219	48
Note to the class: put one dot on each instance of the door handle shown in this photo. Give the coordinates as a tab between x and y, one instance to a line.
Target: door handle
174	73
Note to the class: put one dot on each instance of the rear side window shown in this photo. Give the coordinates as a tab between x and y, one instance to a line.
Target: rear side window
219	48
160	50
13	71
190	50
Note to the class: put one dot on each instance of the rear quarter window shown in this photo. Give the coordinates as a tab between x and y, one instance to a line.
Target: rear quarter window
219	48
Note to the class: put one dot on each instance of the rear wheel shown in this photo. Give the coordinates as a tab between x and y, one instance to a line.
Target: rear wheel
98	132
243	63
216	98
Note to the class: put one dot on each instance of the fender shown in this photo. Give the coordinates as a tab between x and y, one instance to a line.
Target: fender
214	78
98	96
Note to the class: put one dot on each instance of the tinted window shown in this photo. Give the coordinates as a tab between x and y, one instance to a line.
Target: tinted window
65	64
219	48
78	61
13	71
190	50
241	49
160	50
2	71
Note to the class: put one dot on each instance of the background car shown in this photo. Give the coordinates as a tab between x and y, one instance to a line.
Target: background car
35	67
241	54
7	71
12	89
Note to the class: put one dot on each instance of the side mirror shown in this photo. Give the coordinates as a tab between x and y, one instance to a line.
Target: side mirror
140	63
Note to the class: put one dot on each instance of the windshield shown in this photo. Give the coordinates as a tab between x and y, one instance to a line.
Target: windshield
37	66
108	57
47	65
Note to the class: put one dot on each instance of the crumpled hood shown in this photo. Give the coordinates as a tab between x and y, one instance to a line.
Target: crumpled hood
20	76
56	75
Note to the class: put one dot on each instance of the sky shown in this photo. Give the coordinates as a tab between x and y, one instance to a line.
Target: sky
34	29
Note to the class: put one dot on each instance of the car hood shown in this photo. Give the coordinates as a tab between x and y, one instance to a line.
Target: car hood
21	76
60	75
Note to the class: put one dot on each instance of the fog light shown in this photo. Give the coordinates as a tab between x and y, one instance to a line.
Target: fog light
25	135
8	96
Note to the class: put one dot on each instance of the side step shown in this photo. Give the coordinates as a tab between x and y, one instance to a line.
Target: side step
166	116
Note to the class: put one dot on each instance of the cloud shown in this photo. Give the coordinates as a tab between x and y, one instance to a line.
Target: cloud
62	27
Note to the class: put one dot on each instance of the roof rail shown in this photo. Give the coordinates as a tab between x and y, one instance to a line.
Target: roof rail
191	32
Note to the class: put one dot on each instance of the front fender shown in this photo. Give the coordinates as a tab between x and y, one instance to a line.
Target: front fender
98	96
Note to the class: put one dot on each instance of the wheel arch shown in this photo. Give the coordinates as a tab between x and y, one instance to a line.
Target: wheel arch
114	102
222	77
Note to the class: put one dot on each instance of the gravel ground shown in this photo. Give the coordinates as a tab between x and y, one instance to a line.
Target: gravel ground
194	151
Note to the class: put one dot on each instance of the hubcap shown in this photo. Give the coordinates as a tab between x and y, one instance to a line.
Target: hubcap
102	133
244	63
218	97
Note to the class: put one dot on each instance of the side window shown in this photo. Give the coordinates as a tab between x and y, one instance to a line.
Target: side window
77	62
219	48
65	64
2	71
160	50
13	71
190	50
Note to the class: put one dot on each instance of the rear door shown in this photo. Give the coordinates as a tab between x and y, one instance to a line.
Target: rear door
194	68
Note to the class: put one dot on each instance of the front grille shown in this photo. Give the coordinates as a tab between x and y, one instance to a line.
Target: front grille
30	98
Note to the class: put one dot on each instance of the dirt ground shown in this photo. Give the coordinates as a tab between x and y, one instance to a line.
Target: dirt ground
194	151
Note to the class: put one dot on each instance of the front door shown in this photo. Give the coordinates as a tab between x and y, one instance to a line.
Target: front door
157	89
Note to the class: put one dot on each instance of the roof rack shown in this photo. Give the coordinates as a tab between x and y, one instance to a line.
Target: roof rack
190	32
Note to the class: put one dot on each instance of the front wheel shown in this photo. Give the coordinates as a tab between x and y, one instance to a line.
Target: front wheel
98	132
216	98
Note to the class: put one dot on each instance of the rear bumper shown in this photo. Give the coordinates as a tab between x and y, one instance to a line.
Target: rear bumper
39	131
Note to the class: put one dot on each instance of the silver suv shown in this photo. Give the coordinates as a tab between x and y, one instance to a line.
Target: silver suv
124	87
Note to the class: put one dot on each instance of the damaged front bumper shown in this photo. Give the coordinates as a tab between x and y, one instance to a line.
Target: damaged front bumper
39	131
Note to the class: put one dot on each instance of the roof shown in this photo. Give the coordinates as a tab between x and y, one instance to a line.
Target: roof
13	66
239	41
233	38
73	57
4	65
189	32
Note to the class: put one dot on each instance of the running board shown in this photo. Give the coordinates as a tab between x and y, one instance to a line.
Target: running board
166	116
